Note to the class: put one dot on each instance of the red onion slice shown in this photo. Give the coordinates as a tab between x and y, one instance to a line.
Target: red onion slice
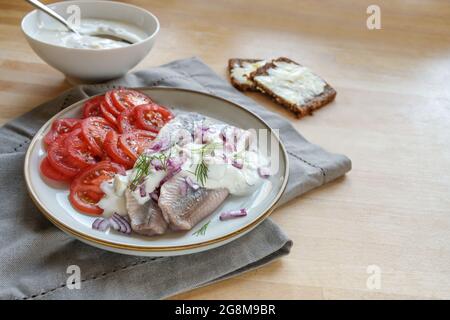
117	222
100	224
233	214
123	223
96	223
114	224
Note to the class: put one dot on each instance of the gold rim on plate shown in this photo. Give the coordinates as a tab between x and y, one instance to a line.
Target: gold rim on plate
116	245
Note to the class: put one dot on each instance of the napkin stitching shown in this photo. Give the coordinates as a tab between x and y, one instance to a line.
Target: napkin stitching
157	82
95	277
322	170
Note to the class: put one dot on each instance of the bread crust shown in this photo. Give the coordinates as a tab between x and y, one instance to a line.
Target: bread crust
300	111
241	86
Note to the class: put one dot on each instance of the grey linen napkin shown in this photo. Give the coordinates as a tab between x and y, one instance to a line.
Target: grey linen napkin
35	255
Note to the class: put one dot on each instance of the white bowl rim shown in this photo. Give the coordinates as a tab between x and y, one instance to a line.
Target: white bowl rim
151	36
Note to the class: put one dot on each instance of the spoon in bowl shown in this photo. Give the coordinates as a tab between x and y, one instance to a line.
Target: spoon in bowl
39	5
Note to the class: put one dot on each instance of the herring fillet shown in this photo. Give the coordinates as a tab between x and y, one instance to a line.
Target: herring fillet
184	211
146	219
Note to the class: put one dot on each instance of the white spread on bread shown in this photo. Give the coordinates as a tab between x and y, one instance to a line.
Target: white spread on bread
241	72
296	84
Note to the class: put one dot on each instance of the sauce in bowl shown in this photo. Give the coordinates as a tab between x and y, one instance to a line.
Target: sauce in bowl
88	29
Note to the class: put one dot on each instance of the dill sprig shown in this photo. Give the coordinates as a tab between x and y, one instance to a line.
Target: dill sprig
201	171
143	165
141	169
202	230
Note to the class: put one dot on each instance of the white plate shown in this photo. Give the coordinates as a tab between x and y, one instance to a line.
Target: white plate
51	197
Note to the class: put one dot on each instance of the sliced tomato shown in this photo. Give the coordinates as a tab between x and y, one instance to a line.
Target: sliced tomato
51	173
110	105
94	175
152	117
107	115
60	126
91	108
136	142
127	98
93	131
57	157
79	153
93	195
84	201
116	153
85	189
50	137
126	121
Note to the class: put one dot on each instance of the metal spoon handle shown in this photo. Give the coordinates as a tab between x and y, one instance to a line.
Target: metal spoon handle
51	13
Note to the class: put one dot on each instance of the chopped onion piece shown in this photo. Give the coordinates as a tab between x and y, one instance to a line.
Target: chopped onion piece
233	214
157	164
200	134
142	191
160	145
191	183
238	163
174	165
264	172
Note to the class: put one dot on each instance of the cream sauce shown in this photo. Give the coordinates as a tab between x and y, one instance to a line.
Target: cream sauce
60	36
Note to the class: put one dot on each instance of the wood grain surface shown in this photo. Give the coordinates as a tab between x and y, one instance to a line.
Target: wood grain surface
391	117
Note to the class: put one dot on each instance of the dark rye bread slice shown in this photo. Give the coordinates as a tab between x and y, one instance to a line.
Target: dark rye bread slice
237	83
300	110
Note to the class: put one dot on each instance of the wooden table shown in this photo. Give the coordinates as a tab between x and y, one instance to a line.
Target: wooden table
391	117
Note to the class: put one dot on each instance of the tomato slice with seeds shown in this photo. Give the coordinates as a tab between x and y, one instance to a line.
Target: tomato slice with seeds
91	108
57	157
79	153
126	121
107	115
94	130
109	104
60	126
85	201
116	153
51	173
128	98
152	117
85	189
136	142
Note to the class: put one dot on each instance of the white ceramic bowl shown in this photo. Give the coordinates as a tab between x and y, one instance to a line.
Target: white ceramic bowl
90	65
